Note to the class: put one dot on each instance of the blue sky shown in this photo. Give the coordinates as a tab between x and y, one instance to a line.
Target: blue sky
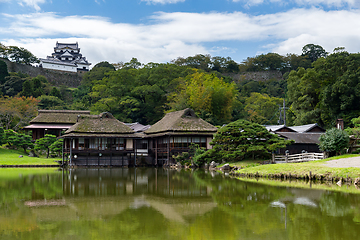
162	30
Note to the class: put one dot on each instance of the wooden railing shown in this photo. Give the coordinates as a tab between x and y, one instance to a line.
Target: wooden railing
301	157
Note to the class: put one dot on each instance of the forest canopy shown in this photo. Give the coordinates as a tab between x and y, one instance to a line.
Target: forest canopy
317	87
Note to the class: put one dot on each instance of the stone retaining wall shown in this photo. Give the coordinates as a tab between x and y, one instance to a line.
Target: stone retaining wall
55	78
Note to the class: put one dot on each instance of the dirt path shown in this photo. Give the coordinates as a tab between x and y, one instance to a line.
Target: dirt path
344	163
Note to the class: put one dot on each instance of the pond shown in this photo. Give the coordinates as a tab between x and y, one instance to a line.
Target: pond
156	203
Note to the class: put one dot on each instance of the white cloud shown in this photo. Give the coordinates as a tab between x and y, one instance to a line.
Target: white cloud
162	1
330	3
32	3
171	35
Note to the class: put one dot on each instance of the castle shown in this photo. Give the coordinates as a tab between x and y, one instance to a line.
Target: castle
66	57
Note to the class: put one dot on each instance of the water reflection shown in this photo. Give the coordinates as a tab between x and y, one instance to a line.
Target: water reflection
155	203
131	181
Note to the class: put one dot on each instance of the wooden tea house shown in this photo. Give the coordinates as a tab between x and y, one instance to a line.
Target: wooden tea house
174	133
53	122
100	140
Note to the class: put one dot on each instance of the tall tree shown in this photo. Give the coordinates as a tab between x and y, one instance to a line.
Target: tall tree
45	143
3	72
16	112
242	139
21	55
208	95
334	141
313	52
262	109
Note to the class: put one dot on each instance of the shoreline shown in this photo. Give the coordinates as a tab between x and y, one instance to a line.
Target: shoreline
29	166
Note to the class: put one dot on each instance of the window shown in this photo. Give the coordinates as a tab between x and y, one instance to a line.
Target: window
81	143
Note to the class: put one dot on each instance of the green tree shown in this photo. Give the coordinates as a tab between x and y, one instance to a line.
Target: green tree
9	136
105	64
27	89
21	140
2	136
262	109
198	61
263	62
16	112
57	146
3	51
50	102
13	84
45	143
334	141
17	140
55	92
207	95
21	55
243	139
38	84
3	71
304	87
313	52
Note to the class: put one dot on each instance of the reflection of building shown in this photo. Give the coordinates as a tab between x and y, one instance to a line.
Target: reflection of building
157	182
53	122
99	193
66	57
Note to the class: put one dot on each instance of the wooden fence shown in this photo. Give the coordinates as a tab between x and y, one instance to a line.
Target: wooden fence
301	157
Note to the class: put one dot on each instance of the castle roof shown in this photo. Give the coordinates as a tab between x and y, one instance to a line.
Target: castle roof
67	45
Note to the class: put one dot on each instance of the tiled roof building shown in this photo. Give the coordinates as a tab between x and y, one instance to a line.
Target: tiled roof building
66	57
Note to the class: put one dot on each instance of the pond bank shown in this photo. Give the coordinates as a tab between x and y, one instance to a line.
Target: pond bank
342	168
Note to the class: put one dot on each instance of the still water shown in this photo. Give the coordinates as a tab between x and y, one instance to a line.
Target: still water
150	203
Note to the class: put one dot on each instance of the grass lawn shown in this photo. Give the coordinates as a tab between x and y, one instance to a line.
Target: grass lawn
11	157
15	173
300	169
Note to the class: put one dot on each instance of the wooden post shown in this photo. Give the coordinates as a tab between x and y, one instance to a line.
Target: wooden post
70	151
168	150
62	153
273	157
156	151
286	157
135	152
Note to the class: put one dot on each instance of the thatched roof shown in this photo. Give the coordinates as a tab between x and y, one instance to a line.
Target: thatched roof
181	121
58	116
103	125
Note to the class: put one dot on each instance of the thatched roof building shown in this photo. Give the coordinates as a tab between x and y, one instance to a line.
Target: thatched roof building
176	132
180	122
103	125
58	116
53	122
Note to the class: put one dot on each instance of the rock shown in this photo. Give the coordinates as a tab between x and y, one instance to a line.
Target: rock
32	154
178	165
21	156
226	167
357	181
206	166
213	164
339	183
